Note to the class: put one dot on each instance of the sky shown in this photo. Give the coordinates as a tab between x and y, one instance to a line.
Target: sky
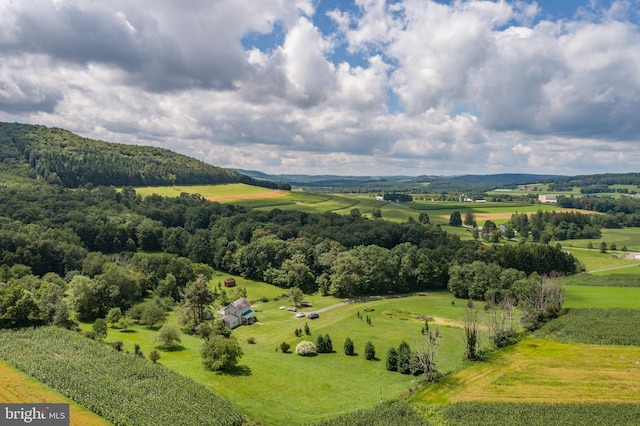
345	87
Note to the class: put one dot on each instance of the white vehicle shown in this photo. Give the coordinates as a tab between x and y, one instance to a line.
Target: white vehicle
300	315
282	308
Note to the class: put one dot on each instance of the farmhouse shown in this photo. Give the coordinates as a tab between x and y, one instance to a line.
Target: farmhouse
237	313
548	198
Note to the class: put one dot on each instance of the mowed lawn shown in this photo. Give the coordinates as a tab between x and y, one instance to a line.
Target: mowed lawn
538	370
593	260
277	388
16	387
623	237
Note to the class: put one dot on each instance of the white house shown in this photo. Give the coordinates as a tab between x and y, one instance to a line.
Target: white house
238	313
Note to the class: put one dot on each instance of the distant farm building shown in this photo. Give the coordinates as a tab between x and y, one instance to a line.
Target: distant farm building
548	198
229	282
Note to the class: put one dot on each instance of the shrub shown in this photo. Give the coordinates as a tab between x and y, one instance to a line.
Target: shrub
328	344
348	346
154	356
100	329
168	336
117	345
369	351
392	360
306	348
404	358
251	340
284	347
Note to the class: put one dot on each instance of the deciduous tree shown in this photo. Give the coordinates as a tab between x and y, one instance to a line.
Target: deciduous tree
221	353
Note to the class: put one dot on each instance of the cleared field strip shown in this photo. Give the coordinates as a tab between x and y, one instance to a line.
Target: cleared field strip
228	192
601	297
17	387
541	371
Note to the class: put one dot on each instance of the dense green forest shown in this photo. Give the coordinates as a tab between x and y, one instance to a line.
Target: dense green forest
60	157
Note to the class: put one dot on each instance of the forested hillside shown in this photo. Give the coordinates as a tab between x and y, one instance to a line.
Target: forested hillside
61	157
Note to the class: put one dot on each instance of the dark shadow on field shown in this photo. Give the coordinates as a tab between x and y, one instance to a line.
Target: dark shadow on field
238	370
128	331
173	348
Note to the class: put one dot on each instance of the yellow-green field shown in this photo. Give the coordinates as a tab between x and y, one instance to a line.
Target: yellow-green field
226	193
542	371
17	387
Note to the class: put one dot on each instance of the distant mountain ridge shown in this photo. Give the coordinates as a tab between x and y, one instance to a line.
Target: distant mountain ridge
61	157
436	181
506	178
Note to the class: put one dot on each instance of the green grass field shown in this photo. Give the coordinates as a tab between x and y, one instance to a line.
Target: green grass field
601	297
625	237
267	383
594	261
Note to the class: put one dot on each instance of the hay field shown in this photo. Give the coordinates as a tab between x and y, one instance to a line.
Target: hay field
541	371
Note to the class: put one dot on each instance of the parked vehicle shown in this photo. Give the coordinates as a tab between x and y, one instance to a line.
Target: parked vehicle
305	304
300	315
313	315
292	309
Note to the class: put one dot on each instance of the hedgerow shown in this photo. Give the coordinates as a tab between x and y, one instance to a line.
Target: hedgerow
120	387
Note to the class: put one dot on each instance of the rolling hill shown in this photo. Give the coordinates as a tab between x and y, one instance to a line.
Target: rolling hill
61	157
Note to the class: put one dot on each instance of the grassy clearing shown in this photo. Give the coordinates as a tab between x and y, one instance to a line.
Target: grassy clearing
629	237
267	383
601	297
594	326
540	371
593	260
232	189
17	387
